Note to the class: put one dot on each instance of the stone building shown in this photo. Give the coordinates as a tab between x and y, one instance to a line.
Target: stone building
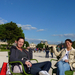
46	43
32	45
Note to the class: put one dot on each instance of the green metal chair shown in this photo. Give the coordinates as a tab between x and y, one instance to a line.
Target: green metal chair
10	66
54	70
69	72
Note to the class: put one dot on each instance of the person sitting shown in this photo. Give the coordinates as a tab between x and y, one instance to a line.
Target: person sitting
66	57
17	53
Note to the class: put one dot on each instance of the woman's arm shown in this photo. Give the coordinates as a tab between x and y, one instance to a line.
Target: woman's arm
55	51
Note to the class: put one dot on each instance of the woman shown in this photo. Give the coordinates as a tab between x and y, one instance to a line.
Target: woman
66	54
17	54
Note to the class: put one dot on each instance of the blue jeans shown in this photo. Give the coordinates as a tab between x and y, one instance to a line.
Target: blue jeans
62	66
47	54
52	55
39	67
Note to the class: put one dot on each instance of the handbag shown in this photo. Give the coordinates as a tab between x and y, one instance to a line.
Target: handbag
4	69
17	69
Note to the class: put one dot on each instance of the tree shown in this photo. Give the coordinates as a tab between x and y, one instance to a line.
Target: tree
40	45
2	32
10	32
73	45
27	44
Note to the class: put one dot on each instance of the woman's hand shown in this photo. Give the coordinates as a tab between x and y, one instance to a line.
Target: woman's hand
66	60
28	63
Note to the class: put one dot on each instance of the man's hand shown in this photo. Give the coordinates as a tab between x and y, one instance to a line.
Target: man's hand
66	60
28	63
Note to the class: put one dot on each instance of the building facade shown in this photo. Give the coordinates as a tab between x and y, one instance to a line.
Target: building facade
46	43
32	45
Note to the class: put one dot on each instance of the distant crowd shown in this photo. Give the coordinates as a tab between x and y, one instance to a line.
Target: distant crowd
48	49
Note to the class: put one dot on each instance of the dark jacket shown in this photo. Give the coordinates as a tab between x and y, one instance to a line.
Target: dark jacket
14	55
47	48
51	49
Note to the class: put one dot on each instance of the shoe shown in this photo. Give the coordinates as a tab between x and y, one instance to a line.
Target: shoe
47	73
43	73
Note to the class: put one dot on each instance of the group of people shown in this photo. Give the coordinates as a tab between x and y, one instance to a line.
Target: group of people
38	49
60	48
64	63
49	50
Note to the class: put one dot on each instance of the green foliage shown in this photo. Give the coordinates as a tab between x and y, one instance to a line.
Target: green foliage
40	45
10	32
4	46
4	50
73	45
2	32
27	44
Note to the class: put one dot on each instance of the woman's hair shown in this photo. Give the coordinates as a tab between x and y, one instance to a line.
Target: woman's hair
20	38
69	40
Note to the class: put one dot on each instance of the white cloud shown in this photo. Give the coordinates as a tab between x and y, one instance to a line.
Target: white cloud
29	27
58	35
40	30
2	21
36	41
26	27
70	35
33	28
52	42
65	35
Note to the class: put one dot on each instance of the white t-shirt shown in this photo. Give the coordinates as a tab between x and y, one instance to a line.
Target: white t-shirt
66	55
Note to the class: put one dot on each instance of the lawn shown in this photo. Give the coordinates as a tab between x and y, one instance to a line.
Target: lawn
4	50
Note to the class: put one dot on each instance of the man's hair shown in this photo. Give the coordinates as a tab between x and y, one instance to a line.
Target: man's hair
69	40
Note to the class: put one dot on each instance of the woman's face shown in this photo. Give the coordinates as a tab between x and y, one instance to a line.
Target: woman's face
20	43
68	44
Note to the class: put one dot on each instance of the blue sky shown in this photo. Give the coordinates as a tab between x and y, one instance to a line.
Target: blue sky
41	20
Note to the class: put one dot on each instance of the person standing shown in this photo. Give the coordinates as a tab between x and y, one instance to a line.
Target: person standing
47	52
51	50
58	48
62	47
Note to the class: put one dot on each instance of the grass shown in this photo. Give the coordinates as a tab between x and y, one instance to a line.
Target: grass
4	50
